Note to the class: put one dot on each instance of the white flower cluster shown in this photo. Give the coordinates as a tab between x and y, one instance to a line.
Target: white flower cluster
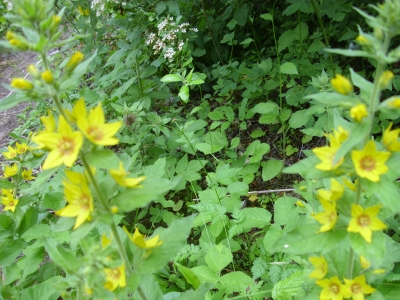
9	4
170	37
98	5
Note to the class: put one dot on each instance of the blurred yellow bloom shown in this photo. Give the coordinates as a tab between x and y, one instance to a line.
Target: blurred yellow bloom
105	241
359	112
342	85
64	145
33	71
379	271
333	289
120	177
22	84
10	170
47	76
352	186
17	40
74	61
370	163
334	193
9	201
11	153
327	153
96	130
115	278
138	239
49	122
79	111
364	221
394	102
365	264
27	175
390	138
321	267
80	202
358	287
299	203
340	135
6	191
21	148
385	79
328	217
362	40
83	11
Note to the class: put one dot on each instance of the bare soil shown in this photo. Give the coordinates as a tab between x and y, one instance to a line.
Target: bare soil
12	64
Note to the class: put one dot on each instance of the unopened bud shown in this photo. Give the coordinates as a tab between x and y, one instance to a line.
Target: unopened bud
362	40
359	112
22	84
385	79
17	41
47	77
74	61
114	209
378	33
33	71
342	85
55	22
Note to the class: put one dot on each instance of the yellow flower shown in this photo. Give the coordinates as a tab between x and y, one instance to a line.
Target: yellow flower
74	61
394	102
321	267
352	186
385	79
328	217
9	201
17	40
326	155
370	163
82	11
11	153
342	85
115	277
49	122
22	84
21	148
365	264
105	241
364	221
358	112
6	191
55	21
390	139
10	170
138	239
358	287
339	135
96	130
64	145
80	202
47	76
333	289
362	40
79	111
334	193
120	177
27	175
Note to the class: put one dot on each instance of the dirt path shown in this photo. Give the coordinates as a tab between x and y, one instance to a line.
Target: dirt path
12	64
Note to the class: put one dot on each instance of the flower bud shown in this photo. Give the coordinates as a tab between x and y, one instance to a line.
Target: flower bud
394	102
17	41
75	59
385	79
362	40
55	22
114	209
359	112
33	71
47	77
22	84
378	33
342	85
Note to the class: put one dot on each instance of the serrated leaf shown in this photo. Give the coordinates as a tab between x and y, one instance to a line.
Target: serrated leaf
289	68
205	274
255	217
288	286
37	231
236	282
285	211
218	257
238	187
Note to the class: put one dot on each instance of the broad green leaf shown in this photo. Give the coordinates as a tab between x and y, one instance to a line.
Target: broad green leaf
255	217
307	238
289	286
11	273
28	220
184	93
189	275
265	107
218	257
205	274
174	238
156	170
365	86
199	293
257	149
103	159
386	191
171	78
10	251
247	41
36	231
273	234
63	257
267	17
299	118
374	251
31	261
216	115
236	282
13	100
182	164
42	290
271	168
238	187
7	226
285	211
289	68
54	201
150	288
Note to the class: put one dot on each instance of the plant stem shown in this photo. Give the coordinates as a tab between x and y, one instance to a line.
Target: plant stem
209	29
138	76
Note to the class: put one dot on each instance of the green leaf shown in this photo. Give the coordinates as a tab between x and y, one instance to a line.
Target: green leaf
10	251
7	226
31	261
184	93
299	118
36	232
214	142
236	282
189	275
285	211
216	115
238	187
386	191
265	107
199	293
267	17
42	290
288	286
28	220
205	274
156	170
257	150
116	56
255	217
307	238
54	201
218	257
63	257
171	78
374	251
174	238
13	100
271	168
273	234
289	68
103	159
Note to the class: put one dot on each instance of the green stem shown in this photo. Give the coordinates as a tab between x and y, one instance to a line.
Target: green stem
350	265
138	76
324	33
103	202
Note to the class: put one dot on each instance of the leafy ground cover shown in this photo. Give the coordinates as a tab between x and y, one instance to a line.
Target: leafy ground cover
254	142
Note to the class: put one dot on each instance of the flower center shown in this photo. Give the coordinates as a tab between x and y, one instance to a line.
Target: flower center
368	163
363	220
334	288
67	145
95	132
356	288
115	274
